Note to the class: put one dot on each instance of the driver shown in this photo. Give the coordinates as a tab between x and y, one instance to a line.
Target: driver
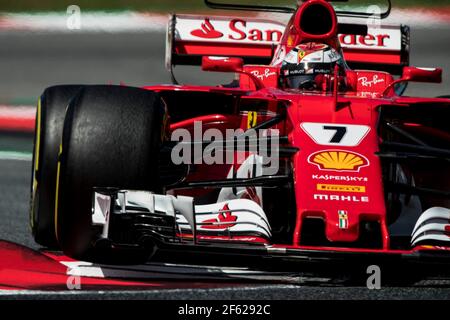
310	66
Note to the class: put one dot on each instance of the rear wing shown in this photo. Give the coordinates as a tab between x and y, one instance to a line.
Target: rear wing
189	37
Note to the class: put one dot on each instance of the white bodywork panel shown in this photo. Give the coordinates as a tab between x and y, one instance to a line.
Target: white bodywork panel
432	225
242	218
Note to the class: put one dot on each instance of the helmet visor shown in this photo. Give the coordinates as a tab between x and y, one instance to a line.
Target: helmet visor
300	82
303	76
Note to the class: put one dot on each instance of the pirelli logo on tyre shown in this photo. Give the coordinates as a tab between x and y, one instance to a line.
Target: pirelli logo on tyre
340	188
338	160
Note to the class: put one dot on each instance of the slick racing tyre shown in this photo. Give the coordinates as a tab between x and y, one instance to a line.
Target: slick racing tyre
50	114
111	139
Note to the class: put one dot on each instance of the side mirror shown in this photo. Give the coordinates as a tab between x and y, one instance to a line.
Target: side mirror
228	64
415	74
432	75
222	64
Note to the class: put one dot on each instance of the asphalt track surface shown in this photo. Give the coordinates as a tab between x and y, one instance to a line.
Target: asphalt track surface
29	62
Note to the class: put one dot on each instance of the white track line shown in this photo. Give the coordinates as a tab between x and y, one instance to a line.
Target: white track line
22	112
157	271
15	156
17	118
75	293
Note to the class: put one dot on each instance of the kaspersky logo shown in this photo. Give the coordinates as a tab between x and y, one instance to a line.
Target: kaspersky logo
338	160
207	31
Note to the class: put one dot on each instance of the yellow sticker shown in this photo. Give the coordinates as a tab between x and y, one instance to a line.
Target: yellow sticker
252	119
301	55
340	188
290	40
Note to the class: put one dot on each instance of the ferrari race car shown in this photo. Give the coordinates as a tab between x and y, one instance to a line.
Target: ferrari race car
310	154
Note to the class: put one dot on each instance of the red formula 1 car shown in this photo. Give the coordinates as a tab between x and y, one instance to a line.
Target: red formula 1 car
310	154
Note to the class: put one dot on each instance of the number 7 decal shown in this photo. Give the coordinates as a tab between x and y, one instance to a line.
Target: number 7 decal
339	133
332	134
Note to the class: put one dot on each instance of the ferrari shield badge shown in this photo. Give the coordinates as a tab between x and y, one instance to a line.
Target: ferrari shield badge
343	219
301	55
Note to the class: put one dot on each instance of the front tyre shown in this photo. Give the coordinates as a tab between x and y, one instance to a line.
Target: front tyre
111	138
50	114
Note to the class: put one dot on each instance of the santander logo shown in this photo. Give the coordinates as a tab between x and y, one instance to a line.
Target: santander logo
239	30
248	30
207	31
223	217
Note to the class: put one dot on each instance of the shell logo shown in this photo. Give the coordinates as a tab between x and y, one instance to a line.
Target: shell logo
338	160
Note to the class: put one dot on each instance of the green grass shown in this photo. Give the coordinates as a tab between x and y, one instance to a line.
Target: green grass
164	5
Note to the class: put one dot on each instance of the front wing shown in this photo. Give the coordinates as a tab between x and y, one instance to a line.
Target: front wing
186	242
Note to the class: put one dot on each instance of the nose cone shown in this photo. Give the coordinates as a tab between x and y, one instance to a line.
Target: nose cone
338	176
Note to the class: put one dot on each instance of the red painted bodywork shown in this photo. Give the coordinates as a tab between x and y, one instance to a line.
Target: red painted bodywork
357	106
361	109
320	108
